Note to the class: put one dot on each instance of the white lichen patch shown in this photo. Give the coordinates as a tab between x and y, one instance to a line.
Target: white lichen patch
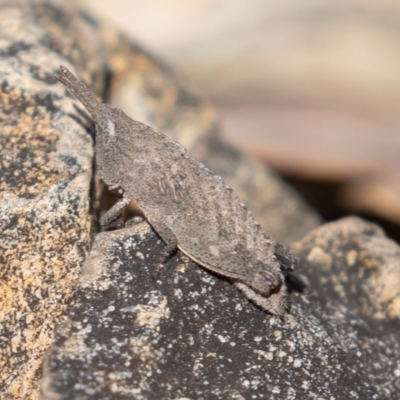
297	363
291	345
181	268
246	384
268	356
75	344
305	385
151	315
142	347
178	293
278	334
222	339
197	366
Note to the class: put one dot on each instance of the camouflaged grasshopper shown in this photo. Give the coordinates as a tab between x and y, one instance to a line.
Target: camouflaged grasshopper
188	206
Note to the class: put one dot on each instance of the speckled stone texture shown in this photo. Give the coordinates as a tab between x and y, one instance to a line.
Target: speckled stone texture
352	262
142	331
46	166
137	329
46	153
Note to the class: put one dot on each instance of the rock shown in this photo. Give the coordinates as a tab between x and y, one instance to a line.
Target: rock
353	263
45	171
136	329
140	330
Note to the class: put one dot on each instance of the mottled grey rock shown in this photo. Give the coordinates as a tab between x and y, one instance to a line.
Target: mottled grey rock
136	329
45	176
46	167
142	331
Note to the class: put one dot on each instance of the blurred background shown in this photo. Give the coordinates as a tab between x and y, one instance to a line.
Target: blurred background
311	87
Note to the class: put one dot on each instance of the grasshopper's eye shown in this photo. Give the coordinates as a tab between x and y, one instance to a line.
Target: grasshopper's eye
285	263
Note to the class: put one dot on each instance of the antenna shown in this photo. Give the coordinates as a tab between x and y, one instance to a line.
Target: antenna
78	89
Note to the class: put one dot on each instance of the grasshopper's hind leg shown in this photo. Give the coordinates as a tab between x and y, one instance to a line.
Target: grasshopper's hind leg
275	303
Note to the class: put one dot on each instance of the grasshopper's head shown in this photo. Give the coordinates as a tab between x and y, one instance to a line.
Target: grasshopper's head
115	132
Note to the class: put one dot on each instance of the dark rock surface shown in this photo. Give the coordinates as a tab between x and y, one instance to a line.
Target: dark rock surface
141	331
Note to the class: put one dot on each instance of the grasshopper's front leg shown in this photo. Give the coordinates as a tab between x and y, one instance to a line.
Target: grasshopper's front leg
113	212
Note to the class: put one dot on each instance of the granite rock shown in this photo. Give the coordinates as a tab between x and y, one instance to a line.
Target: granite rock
139	330
47	198
135	329
45	178
352	263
